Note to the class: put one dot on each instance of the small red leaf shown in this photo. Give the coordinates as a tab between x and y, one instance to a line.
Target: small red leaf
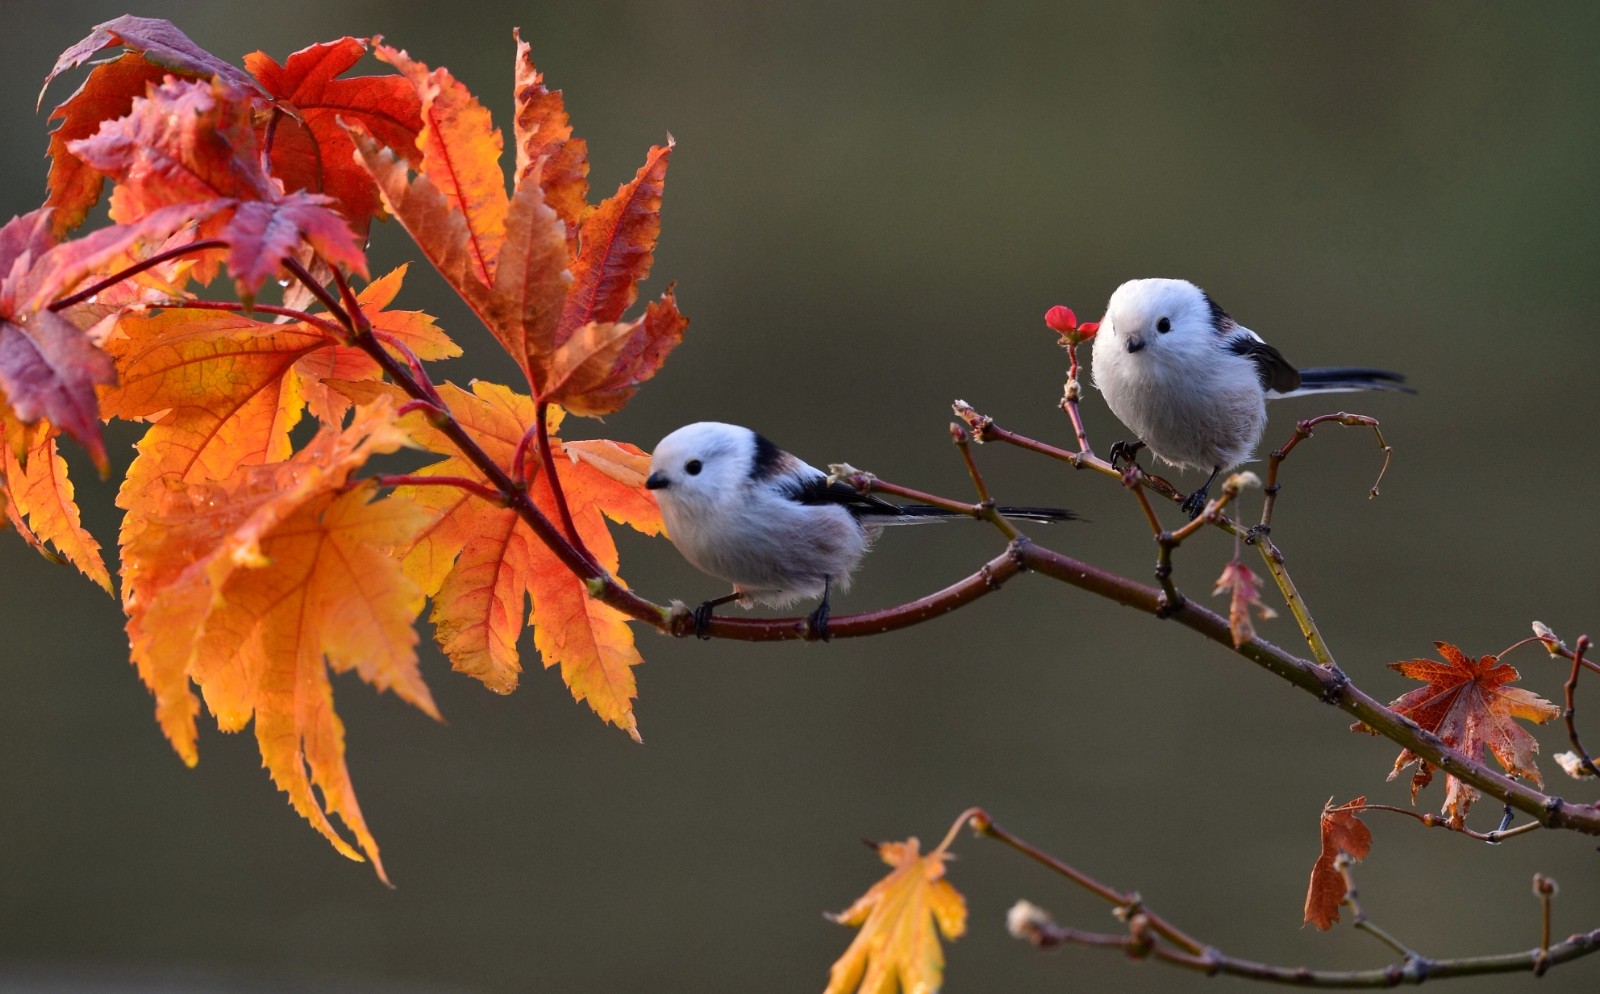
1342	831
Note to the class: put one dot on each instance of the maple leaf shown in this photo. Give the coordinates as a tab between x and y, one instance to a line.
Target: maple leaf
193	143
1244	589
49	367
38	498
1342	832
1468	705
245	586
227	389
309	148
897	947
549	275
159	41
481	563
546	149
106	94
156	48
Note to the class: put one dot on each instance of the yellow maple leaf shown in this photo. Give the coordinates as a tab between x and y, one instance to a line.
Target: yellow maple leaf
897	947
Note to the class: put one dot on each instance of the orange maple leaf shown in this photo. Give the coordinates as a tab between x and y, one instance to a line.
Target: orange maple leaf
549	275
897	947
1468	705
481	563
245	586
38	497
1342	831
227	389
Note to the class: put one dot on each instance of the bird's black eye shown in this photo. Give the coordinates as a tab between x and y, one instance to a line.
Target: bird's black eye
1163	326
692	467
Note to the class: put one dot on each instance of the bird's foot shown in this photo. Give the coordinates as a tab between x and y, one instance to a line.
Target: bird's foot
702	618
1124	450
817	622
1194	503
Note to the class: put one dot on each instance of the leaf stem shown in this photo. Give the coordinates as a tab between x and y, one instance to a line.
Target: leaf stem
155	260
323	325
541	427
460	482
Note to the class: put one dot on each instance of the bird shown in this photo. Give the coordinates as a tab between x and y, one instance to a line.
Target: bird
743	510
1192	383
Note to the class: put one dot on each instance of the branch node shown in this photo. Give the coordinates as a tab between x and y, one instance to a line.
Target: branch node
1335	681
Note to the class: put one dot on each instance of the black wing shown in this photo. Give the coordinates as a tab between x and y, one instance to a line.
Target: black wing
817	490
1273	369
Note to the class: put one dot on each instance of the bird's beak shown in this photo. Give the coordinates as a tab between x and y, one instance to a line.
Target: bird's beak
657	481
1135	343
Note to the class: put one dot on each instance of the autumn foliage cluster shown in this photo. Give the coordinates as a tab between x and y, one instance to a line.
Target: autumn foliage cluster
251	565
261	545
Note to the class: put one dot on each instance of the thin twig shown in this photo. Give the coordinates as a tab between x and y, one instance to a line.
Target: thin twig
986	509
1146	929
1345	866
1271	555
488	493
134	270
1127	905
1570	712
322	324
1302	431
1431	820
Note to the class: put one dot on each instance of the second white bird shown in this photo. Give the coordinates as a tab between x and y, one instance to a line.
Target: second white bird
1193	383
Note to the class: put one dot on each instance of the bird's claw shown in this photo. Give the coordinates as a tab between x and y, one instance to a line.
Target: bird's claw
702	620
817	621
1124	450
1194	503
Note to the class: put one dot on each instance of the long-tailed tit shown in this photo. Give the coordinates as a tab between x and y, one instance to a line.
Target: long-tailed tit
1193	383
742	509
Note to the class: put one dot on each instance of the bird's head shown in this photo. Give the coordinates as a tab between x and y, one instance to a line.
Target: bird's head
1159	317
705	462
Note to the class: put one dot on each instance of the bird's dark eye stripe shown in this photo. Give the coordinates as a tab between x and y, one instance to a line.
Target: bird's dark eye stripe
692	467
1163	326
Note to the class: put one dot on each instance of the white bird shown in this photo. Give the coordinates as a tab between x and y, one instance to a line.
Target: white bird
1192	383
742	509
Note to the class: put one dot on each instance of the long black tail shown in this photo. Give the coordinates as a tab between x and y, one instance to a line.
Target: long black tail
1332	379
915	513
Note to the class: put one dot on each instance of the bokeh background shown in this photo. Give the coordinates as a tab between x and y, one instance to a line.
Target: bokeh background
869	210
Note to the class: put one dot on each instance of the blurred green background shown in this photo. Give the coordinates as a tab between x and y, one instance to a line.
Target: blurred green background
869	210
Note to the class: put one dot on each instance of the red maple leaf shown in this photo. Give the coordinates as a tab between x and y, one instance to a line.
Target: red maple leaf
193	144
309	147
1342	832
1468	704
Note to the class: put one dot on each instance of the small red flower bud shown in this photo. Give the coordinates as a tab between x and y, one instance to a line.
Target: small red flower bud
1087	329
1061	319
